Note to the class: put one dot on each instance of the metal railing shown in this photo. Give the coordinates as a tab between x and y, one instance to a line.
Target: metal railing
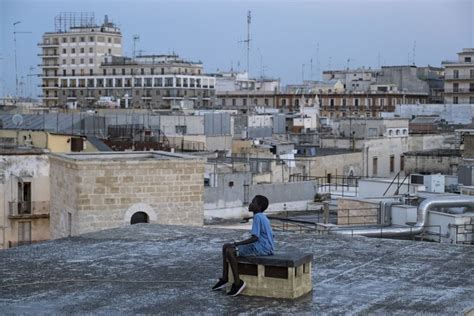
338	185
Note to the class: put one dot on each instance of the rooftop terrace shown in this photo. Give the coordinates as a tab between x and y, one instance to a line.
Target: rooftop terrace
166	269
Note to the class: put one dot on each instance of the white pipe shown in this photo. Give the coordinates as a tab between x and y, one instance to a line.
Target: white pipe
422	218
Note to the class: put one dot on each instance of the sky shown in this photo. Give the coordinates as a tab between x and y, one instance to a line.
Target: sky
291	40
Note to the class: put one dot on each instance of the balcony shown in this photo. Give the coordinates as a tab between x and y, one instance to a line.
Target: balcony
49	55
48	65
456	78
459	91
49	44
28	210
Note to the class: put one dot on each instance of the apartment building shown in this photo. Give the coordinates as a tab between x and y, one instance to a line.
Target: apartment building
82	65
77	47
24	210
459	78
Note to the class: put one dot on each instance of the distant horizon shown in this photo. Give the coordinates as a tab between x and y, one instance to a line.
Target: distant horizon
291	41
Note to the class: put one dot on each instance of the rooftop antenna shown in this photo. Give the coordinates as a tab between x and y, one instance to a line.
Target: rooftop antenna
414	52
247	41
318	63
136	39
302	73
15	32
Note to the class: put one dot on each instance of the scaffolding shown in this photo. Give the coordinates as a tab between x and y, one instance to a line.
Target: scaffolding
67	20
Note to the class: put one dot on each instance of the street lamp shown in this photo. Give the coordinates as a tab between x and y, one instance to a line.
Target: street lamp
16	64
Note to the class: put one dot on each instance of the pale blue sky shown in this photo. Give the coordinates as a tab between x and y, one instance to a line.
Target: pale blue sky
285	33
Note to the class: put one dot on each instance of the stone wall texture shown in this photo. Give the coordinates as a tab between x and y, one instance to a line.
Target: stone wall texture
103	194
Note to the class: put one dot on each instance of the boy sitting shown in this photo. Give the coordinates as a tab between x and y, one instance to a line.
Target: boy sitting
259	244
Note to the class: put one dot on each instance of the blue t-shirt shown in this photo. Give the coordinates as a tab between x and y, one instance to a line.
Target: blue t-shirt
262	229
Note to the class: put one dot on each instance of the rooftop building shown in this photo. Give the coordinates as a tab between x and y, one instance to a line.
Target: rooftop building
459	79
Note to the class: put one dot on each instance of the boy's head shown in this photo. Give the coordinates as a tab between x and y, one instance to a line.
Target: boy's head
258	204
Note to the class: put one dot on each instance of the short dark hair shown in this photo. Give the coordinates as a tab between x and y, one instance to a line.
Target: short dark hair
262	202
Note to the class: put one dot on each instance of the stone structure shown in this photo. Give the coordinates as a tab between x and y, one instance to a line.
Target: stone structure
99	191
285	275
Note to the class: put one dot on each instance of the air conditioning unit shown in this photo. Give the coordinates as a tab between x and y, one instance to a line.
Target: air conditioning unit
432	182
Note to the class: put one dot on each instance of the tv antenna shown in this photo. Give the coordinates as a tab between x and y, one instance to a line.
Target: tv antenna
136	39
15	32
248	40
414	52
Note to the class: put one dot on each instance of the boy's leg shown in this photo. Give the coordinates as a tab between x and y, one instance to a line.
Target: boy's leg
232	259
225	267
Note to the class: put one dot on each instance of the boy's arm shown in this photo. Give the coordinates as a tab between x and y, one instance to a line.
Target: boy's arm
250	240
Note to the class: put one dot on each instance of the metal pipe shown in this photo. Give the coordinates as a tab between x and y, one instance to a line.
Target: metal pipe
422	218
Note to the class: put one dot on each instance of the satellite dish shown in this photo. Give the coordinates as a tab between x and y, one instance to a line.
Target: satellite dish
17	119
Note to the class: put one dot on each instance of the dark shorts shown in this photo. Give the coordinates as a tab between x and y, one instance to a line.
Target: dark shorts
248	251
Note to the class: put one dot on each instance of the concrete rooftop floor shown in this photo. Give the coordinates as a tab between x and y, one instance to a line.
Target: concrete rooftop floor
169	269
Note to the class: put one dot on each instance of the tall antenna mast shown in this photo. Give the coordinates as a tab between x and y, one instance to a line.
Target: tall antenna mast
318	63
414	52
136	38
249	20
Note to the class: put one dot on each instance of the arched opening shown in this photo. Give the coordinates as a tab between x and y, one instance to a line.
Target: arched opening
139	217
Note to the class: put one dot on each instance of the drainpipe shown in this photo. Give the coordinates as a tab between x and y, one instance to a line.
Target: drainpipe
422	218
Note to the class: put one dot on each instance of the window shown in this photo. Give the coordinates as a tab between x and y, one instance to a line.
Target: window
181	129
471	87
91	72
456	74
142	71
91	38
344	102
402	163
110	51
467	59
455	100
356	102
64	39
91	60
233	102
82	61
73	50
64	72
123	71
73	39
64	51
113	72
244	102
64	61
24	233
471	72
374	165
82	39
455	87
73	61
104	71
471	100
266	102
223	102
392	163
162	71
91	50
109	40
331	102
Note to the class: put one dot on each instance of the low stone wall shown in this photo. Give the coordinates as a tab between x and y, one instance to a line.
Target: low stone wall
356	212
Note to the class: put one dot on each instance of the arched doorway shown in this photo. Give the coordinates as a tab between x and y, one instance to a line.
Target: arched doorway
139	217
